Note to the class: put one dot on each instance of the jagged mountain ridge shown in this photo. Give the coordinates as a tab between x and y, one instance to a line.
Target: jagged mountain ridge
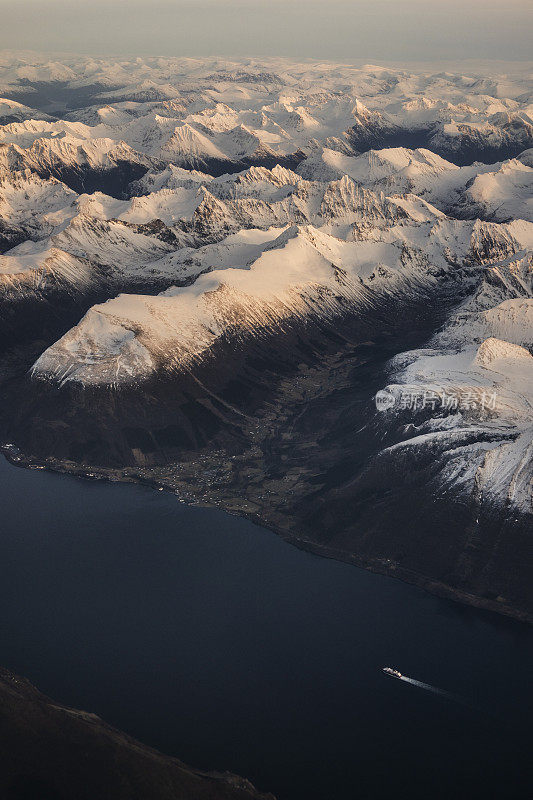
174	110
155	237
482	361
303	272
221	229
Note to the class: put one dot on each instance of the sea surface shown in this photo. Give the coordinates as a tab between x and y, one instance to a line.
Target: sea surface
212	639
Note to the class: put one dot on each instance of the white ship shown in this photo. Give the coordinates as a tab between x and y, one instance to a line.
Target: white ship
394	672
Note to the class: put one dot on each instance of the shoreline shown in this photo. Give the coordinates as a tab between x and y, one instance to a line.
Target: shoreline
383	566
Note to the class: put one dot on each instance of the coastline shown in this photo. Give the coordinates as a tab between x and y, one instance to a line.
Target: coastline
383	566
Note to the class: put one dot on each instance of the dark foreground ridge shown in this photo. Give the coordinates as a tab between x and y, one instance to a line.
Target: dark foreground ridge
52	752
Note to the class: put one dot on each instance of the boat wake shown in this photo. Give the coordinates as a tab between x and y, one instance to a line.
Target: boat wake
426	686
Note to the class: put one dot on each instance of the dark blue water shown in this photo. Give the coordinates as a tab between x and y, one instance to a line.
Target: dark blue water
213	640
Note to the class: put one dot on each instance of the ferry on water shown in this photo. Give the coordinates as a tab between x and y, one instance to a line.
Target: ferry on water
393	672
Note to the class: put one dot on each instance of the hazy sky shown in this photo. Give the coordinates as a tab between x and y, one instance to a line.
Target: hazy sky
388	30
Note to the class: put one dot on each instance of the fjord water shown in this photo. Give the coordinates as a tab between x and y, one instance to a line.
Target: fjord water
212	639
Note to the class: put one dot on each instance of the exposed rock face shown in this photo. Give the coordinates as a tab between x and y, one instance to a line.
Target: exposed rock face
50	751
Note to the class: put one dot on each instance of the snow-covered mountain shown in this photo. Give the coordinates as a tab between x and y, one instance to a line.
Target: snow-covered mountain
500	191
303	273
471	392
11	111
195	113
200	229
